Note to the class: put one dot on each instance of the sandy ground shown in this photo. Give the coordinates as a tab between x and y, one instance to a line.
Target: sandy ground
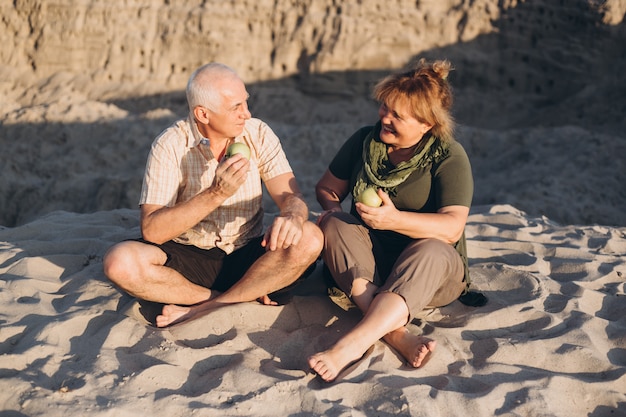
551	341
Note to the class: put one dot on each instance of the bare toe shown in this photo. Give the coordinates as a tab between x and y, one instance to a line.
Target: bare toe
423	353
320	364
170	314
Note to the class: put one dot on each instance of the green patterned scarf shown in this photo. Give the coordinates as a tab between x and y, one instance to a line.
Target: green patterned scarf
378	171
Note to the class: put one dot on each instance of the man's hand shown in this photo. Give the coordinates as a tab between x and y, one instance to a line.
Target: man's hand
230	174
284	232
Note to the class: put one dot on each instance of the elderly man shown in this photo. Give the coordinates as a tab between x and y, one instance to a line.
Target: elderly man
202	242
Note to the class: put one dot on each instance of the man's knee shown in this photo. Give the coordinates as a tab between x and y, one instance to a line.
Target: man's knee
119	262
111	262
312	240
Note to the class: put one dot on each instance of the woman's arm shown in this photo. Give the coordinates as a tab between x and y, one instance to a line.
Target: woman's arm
331	191
447	224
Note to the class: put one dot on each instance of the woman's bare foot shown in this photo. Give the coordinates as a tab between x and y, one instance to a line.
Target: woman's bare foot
170	314
416	349
330	363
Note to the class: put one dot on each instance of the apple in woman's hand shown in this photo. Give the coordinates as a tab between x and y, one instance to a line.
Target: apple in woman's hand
370	197
236	148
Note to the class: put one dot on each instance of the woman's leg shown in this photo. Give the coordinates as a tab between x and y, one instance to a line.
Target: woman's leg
421	272
348	250
348	253
386	313
428	272
414	348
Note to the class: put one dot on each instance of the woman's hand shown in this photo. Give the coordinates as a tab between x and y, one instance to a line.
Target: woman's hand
380	218
447	224
325	213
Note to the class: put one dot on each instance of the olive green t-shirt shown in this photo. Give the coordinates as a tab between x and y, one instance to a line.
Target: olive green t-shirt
426	190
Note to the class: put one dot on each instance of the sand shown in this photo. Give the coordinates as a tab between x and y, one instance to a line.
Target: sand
550	342
540	102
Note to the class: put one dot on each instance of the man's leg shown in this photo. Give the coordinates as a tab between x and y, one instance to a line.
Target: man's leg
138	268
273	271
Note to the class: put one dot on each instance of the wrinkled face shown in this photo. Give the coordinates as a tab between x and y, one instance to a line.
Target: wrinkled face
229	121
400	129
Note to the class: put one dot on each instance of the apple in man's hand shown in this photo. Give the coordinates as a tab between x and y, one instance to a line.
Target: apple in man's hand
236	148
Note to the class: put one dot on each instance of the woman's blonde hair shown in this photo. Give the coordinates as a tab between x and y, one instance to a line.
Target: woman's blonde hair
426	90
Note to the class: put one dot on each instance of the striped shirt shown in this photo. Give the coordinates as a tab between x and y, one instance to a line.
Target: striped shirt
181	165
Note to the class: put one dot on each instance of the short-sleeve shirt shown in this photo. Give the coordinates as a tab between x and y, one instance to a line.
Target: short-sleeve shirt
181	165
446	183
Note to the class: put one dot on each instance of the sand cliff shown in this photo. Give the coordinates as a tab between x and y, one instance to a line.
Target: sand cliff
86	85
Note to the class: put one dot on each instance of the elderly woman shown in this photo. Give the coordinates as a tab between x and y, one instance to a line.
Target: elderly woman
402	246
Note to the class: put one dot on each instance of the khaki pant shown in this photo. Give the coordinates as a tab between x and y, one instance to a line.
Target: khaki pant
426	273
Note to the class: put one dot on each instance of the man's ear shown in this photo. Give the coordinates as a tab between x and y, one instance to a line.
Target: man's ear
201	114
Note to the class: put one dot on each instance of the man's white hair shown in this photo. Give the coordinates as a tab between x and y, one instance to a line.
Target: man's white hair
201	87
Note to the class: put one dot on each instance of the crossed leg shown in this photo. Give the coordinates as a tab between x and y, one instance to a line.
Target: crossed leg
273	271
386	315
414	348
138	268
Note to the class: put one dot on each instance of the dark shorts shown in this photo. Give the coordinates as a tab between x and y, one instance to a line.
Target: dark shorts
211	268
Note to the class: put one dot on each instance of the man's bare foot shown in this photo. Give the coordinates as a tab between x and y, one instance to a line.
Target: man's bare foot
333	362
175	314
172	313
267	301
416	349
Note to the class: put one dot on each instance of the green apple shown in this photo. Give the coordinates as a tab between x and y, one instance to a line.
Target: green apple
370	197
236	148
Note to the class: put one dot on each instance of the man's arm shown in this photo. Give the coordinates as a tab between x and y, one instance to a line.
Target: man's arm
160	224
286	230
